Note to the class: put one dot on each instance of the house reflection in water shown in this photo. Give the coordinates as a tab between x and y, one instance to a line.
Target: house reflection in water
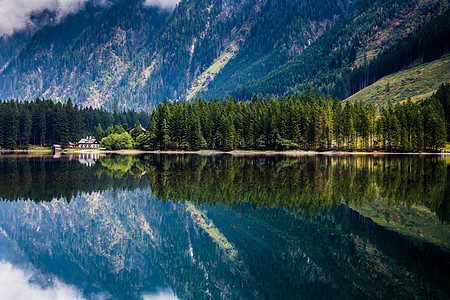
89	159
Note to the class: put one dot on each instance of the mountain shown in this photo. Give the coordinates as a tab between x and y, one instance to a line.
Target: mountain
11	45
136	55
82	56
375	39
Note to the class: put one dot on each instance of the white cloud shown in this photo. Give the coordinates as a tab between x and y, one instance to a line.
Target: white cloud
164	4
161	295
15	14
15	284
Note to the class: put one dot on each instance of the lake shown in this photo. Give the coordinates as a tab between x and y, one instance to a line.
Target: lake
224	227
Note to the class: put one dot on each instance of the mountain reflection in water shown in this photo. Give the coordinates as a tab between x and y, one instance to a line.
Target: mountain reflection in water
193	227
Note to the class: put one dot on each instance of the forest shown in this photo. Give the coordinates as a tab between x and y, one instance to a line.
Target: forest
45	122
308	122
345	72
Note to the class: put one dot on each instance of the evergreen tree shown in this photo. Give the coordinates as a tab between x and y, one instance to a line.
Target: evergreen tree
25	125
10	125
136	131
99	133
197	141
434	125
61	126
443	95
2	124
165	143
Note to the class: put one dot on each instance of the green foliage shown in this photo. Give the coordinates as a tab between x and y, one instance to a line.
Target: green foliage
285	144
308	121
118	141
99	133
443	96
11	125
435	125
137	130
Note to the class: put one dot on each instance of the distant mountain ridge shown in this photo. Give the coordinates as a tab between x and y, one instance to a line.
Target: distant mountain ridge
135	55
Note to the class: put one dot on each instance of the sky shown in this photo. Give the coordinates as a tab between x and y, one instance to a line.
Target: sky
15	14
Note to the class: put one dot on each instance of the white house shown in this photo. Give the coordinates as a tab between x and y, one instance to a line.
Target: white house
88	142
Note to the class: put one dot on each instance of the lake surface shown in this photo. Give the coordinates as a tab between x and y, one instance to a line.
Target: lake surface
224	227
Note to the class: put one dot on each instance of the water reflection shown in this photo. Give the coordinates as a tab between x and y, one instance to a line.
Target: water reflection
133	227
308	184
162	295
19	284
89	159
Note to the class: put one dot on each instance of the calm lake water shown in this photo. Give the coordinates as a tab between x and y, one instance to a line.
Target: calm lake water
223	227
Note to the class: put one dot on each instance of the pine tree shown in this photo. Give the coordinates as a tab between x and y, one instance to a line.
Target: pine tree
197	140
61	126
434	125
11	125
25	124
136	131
39	123
99	133
443	95
2	124
166	136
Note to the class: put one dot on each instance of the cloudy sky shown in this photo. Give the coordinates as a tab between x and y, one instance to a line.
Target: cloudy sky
15	14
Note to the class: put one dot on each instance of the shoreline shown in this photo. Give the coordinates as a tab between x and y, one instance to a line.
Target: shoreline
292	153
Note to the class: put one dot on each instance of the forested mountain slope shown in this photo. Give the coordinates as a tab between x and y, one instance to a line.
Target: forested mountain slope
83	56
257	35
376	39
135	55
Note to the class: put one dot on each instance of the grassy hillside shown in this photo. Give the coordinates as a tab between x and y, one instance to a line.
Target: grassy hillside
417	82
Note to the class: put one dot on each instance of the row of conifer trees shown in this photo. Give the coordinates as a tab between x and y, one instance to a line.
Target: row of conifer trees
309	122
45	122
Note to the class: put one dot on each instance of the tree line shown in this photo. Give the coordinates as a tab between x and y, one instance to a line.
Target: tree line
44	122
308	122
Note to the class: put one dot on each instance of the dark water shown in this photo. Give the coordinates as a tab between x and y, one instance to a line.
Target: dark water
222	227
